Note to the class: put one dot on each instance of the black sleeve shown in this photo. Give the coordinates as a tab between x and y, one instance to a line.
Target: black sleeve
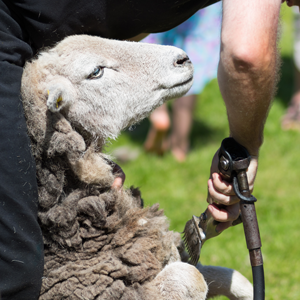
49	21
21	247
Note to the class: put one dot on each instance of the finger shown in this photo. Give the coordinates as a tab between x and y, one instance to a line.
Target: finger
120	177
118	183
225	187
252	171
224	214
221	185
219	198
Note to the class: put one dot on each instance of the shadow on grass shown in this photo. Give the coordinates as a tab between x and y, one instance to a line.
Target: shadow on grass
138	132
286	84
200	135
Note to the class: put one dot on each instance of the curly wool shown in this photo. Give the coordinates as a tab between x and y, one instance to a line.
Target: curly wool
102	249
99	243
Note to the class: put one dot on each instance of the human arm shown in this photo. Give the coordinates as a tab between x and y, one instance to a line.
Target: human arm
248	63
247	77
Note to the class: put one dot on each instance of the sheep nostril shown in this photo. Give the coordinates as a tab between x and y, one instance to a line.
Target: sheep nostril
182	61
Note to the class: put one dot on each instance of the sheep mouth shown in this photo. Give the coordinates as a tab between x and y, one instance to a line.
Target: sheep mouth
184	82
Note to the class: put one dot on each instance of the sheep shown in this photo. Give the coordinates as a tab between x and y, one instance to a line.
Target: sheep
100	242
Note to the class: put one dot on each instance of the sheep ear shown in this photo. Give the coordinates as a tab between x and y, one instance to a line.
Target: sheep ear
60	94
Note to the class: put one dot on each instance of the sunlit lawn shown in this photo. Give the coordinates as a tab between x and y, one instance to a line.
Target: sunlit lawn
181	188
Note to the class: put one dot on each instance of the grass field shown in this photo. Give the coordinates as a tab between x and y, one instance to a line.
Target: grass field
181	188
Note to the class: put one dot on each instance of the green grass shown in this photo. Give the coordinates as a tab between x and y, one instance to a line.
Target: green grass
181	188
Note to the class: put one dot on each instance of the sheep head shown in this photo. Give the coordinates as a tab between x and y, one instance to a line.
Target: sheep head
102	86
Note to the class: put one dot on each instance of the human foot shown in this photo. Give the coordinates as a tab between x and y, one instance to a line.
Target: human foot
291	120
179	154
160	124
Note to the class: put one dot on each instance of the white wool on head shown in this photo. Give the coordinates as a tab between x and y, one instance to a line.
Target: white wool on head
133	80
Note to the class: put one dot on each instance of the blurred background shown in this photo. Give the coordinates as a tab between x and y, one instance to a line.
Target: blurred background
181	187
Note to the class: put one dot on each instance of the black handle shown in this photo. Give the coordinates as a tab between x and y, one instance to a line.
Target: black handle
234	160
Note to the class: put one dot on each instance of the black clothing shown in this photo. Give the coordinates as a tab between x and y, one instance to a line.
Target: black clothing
25	27
21	246
49	21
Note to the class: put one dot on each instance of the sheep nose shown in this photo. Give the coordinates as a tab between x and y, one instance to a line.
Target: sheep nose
181	61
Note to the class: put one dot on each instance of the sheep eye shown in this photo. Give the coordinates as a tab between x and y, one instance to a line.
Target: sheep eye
97	73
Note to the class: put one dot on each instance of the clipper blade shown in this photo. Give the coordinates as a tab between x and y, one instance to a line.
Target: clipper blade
192	239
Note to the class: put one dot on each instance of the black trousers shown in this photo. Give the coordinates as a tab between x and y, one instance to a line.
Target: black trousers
21	246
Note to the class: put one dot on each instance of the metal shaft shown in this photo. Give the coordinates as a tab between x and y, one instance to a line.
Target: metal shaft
252	236
250	222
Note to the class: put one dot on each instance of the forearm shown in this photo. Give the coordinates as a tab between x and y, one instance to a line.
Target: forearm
247	98
247	71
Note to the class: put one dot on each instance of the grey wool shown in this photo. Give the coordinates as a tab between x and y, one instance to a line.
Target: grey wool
99	241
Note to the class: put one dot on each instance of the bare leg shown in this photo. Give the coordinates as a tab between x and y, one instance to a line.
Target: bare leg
160	124
291	119
182	122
